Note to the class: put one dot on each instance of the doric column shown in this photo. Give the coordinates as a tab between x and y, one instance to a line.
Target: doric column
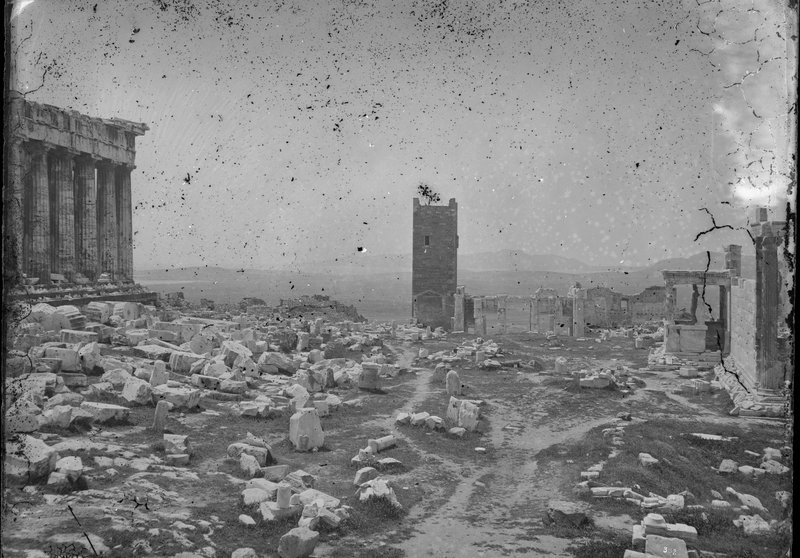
40	214
125	220
106	218
62	213
16	213
86	216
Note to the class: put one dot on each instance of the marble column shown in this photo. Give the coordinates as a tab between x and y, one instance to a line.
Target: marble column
107	219
62	213
39	254
16	213
86	240
125	220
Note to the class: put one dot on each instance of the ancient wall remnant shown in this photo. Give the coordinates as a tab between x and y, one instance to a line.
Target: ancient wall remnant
70	187
434	263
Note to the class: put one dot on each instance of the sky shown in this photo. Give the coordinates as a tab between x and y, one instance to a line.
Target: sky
287	132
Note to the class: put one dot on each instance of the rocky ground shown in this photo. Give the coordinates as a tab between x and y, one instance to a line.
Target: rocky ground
242	438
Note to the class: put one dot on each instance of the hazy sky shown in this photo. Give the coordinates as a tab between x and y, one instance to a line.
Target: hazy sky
589	129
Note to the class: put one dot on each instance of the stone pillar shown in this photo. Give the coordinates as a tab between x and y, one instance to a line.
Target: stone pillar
39	215
62	213
86	240
769	367
107	219
459	324
501	313
16	213
125	219
725	319
579	313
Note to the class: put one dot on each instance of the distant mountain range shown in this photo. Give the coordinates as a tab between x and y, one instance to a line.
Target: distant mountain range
384	282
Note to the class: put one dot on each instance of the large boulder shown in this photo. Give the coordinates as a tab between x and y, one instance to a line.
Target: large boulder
231	350
137	391
89	357
298	543
276	363
117	377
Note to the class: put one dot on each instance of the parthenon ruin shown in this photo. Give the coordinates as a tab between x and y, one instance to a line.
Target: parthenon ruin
70	181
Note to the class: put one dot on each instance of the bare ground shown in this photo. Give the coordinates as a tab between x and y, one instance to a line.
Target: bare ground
459	502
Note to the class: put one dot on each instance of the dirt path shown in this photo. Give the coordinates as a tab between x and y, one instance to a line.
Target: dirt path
494	507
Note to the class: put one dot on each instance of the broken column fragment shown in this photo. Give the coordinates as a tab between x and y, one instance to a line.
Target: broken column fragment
305	430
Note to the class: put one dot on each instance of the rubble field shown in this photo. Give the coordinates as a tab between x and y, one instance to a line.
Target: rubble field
136	431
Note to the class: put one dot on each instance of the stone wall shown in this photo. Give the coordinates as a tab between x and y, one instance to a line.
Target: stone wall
743	328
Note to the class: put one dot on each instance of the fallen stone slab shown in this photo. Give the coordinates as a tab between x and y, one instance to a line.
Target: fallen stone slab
152	352
267	486
311	495
28	459
262	454
388	464
300	480
418	419
179	397
106	412
275	473
727	467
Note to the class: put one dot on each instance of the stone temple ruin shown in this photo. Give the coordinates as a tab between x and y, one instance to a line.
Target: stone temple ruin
70	202
753	355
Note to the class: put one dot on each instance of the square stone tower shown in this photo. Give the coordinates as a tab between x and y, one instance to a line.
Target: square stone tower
434	263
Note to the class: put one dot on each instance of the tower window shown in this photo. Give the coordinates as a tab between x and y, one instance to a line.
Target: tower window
427	240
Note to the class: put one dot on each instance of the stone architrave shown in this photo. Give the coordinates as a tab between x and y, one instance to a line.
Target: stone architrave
305	430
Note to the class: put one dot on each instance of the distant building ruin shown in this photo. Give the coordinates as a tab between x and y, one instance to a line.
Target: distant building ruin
434	263
70	188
